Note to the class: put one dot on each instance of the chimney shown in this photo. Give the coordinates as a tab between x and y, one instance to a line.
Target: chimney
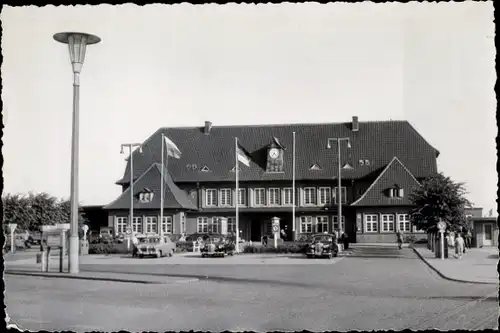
208	127
355	124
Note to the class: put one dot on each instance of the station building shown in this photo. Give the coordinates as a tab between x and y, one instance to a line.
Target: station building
385	162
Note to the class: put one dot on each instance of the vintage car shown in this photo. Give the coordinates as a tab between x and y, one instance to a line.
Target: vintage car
215	245
151	247
323	245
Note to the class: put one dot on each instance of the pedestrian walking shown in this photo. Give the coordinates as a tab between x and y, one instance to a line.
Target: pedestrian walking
27	239
283	234
135	244
400	238
459	246
264	240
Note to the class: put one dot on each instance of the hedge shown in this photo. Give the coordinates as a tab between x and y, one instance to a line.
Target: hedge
282	248
111	248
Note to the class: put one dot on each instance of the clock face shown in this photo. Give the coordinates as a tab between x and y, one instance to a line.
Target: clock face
274	153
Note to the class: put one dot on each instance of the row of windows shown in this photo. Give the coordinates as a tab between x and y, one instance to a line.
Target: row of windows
320	224
206	224
388	223
275	196
150	224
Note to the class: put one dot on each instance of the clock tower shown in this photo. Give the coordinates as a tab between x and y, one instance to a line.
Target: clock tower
274	157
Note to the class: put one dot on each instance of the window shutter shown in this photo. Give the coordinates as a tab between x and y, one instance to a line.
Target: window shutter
390	192
401	193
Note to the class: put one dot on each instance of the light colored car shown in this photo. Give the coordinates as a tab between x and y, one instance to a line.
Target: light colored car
151	247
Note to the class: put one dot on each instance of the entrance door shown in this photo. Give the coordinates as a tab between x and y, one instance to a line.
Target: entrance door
487	234
255	231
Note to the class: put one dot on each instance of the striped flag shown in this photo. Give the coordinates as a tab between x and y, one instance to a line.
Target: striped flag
242	157
172	149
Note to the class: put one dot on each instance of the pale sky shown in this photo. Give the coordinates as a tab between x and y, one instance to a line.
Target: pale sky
159	65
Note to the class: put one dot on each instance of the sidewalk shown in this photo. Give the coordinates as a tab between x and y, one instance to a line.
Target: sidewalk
101	276
359	245
476	265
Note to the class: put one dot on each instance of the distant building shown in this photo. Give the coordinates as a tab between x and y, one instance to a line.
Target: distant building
484	229
386	162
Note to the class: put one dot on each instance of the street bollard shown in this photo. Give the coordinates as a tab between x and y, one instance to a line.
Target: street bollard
61	258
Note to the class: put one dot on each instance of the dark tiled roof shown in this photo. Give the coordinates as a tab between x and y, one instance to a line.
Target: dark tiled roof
174	197
394	174
377	142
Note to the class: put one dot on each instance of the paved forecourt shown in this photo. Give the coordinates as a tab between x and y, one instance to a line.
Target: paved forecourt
375	289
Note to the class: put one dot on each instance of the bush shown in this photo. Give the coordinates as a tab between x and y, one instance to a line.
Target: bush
111	248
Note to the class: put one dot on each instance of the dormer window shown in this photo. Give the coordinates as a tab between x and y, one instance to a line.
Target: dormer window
205	169
367	162
361	162
395	192
347	167
146	195
315	167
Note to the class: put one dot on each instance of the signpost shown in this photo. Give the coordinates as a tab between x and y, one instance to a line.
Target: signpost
276	230
12	228
441	227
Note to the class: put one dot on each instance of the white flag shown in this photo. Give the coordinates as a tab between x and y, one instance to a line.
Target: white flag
172	149
242	157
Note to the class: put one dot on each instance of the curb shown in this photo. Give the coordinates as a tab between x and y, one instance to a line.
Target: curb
92	278
444	276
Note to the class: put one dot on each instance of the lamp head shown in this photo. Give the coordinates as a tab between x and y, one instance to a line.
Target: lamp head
121	151
77	44
348	143
328	145
140	149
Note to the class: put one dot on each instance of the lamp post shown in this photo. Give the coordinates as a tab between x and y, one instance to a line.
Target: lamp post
131	147
77	43
339	182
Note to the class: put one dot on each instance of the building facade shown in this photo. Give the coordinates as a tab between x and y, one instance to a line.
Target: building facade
380	167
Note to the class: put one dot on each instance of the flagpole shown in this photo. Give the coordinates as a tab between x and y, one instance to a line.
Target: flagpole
294	235
236	247
162	186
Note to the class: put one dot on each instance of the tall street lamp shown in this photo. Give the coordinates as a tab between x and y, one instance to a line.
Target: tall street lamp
339	193
77	43
131	147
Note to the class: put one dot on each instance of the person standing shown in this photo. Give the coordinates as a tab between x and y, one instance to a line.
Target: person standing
459	246
400	238
345	240
468	239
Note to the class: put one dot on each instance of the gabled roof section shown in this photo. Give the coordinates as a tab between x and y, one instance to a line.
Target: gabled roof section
174	197
376	141
395	173
278	143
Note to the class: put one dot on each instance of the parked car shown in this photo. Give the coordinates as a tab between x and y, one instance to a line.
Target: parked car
106	235
151	246
323	245
216	245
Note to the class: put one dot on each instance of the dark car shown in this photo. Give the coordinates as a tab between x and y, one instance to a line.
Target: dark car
215	245
323	245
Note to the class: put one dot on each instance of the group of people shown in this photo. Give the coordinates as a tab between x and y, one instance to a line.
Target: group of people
461	240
